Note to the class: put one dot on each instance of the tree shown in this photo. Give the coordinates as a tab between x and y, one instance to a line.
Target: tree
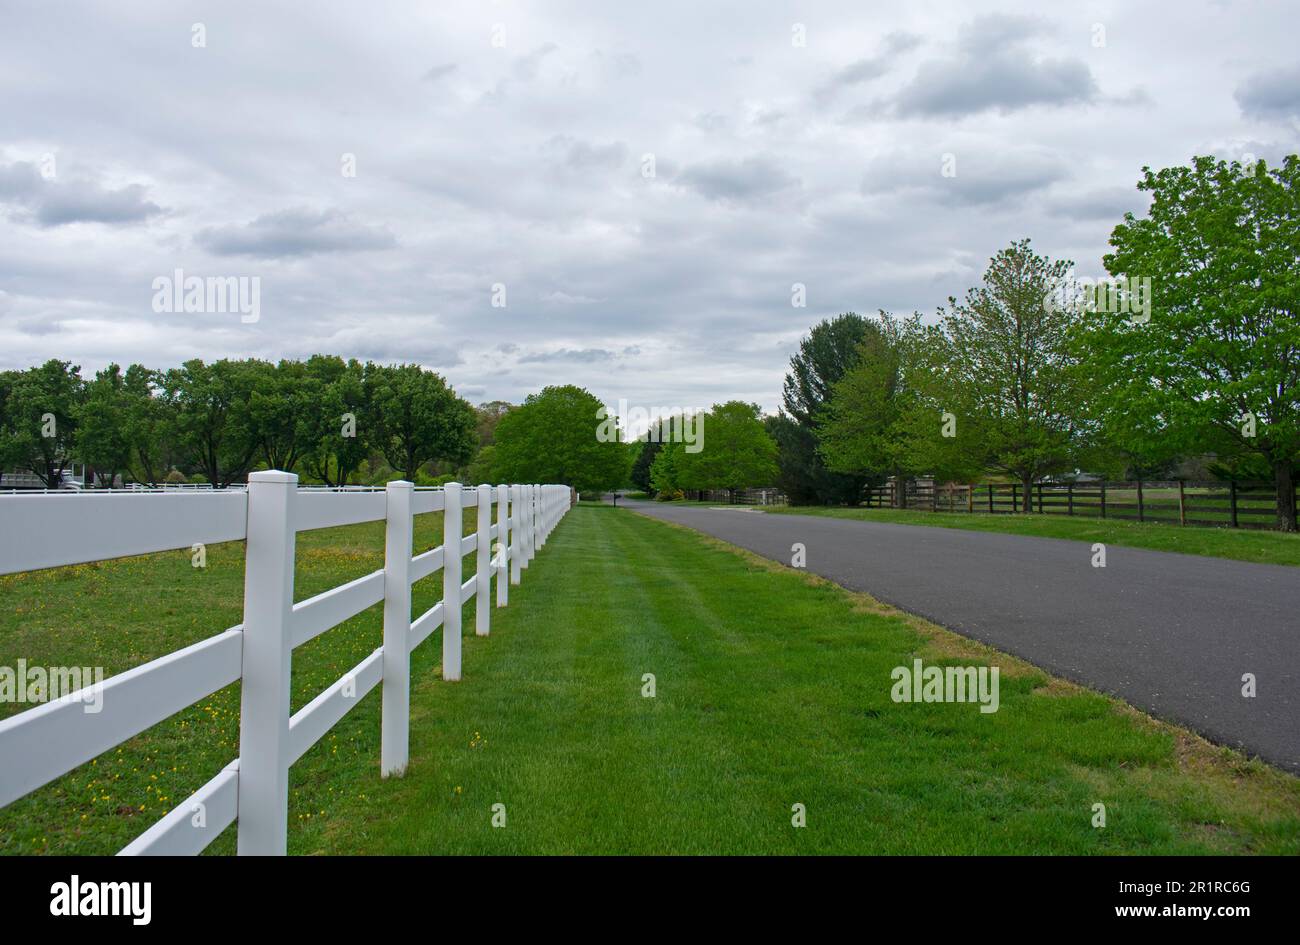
553	437
12	451
283	398
487	416
147	424
482	467
647	448
824	355
865	423
42	407
735	451
1218	362
102	440
333	425
213	429
414	417
664	471
1004	370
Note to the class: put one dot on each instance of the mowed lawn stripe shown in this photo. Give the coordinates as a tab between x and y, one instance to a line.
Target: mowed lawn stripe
773	689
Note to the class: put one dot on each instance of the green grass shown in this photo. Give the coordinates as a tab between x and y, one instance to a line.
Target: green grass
1266	547
772	689
122	613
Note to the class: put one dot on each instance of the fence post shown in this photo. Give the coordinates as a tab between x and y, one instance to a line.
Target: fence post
540	531
525	526
483	564
1015	498
503	542
1103	498
1141	512
395	727
541	516
990	498
1069	498
532	521
1232	499
516	533
1182	503
264	691
451	535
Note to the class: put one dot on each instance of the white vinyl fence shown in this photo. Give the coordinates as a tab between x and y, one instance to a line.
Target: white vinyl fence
42	531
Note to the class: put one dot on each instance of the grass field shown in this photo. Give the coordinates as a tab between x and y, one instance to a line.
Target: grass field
773	688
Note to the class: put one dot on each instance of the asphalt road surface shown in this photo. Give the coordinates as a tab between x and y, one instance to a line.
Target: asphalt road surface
1172	634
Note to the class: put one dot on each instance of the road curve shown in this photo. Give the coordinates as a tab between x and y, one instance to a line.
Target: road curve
1170	633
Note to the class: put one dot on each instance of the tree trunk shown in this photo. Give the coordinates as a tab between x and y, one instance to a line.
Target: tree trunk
1027	503
1284	478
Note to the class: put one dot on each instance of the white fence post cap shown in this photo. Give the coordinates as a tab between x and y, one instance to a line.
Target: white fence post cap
272	475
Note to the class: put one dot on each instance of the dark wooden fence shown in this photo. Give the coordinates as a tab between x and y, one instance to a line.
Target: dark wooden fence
742	496
1227	504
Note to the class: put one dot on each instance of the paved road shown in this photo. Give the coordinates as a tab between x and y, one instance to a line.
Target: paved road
1170	633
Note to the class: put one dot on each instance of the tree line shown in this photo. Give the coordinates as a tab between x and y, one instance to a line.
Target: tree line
328	419
1192	350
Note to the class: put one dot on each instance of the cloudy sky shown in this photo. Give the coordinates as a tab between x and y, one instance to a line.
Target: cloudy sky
512	144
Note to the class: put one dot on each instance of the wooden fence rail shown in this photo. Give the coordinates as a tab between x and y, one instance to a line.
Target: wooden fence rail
52	529
1226	504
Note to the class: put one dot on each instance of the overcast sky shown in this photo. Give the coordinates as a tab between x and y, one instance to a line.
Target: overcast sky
506	143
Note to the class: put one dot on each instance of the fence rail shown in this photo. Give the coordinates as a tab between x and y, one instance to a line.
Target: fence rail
1181	502
42	743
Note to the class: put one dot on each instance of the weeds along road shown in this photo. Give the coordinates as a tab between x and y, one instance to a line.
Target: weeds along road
1172	634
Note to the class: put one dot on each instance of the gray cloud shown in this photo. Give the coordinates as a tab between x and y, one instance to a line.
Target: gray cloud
576	355
737	181
983	178
993	69
1273	94
439	72
583	155
865	70
526	67
1110	203
55	202
295	232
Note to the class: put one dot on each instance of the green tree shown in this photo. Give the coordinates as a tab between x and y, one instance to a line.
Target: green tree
12	451
213	429
333	429
1217	366
561	435
735	451
1004	369
487	416
102	438
281	399
647	449
42	407
867	422
415	418
147	424
482	468
824	355
664	470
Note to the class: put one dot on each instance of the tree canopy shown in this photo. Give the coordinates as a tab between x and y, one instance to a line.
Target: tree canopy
552	437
